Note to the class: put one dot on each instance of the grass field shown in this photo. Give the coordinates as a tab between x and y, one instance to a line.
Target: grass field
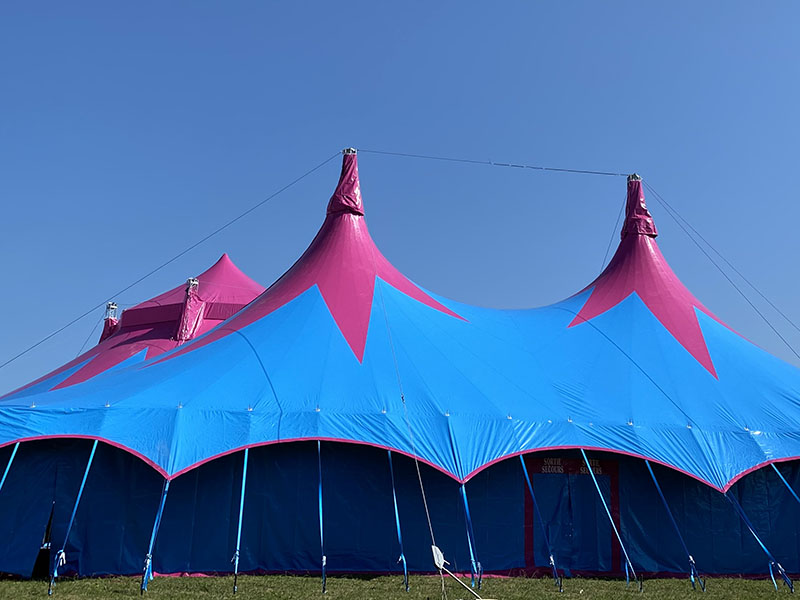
378	588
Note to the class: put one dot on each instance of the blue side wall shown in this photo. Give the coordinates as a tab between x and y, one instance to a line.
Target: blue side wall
281	517
714	533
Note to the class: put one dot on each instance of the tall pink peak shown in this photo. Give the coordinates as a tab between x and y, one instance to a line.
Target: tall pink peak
343	262
222	282
171	318
639	267
163	322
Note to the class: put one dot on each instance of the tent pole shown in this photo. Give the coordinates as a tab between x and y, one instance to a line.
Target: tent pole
476	571
321	528
694	576
8	465
774	565
402	558
783	479
235	560
628	563
61	557
147	575
556	577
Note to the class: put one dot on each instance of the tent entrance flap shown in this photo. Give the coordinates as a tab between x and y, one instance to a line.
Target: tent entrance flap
41	566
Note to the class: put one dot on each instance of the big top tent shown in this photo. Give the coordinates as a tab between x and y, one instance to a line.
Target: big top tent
344	357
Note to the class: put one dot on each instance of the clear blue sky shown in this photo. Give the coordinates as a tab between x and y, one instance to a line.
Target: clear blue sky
130	130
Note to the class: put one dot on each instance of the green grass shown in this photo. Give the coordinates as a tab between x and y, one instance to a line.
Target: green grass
378	588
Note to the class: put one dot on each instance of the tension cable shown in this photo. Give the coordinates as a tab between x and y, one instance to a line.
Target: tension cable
170	261
492	163
680	221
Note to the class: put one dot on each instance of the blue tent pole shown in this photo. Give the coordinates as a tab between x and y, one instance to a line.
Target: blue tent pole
402	558
8	465
475	565
783	479
321	528
628	563
774	565
553	567
147	576
61	557
239	529
693	574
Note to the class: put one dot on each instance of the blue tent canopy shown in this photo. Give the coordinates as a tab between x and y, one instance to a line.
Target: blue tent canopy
343	347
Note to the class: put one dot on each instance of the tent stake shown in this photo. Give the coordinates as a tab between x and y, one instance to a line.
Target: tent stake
440	562
235	559
61	557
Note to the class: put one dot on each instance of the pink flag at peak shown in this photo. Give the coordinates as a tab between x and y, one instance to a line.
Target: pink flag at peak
639	267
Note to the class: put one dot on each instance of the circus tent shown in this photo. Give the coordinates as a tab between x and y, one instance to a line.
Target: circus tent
344	361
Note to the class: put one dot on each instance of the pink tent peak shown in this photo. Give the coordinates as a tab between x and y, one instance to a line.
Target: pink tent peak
223	283
343	262
164	322
347	196
638	266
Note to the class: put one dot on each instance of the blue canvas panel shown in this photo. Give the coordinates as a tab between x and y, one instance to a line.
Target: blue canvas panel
281	514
